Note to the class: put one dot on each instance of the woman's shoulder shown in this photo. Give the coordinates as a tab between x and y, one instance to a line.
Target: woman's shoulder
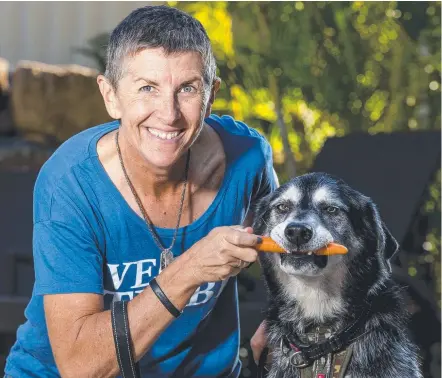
233	126
75	151
239	136
69	164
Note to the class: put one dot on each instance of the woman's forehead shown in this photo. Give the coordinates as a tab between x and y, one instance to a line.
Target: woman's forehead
155	65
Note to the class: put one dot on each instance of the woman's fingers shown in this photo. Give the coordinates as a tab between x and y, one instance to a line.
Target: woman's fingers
223	253
240	237
235	254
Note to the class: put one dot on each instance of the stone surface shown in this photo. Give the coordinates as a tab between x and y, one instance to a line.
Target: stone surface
6	122
51	103
4	76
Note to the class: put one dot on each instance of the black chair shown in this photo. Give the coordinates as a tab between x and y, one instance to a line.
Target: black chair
16	265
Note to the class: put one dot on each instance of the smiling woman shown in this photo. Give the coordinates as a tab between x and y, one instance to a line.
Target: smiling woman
149	211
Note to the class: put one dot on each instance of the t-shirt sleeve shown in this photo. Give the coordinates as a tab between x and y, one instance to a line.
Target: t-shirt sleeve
67	258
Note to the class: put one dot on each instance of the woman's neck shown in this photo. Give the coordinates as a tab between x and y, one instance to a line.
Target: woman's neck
153	181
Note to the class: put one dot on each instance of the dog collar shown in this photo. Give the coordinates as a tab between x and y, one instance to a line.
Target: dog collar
325	354
332	365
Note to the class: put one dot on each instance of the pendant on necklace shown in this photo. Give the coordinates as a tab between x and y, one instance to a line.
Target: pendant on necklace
165	259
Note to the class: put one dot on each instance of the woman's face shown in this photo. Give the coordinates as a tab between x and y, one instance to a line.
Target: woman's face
162	101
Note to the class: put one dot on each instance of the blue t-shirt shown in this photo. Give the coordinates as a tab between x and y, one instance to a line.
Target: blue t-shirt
87	239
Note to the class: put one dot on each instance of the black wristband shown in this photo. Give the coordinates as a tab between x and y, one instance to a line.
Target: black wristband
163	298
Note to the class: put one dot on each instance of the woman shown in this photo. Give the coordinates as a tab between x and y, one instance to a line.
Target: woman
149	198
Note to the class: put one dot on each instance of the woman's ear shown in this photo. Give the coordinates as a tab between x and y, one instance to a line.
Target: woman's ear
109	96
215	88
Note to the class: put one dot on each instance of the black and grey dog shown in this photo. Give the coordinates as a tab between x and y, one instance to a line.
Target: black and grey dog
332	316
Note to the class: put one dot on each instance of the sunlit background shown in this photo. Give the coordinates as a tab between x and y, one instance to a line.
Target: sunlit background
299	72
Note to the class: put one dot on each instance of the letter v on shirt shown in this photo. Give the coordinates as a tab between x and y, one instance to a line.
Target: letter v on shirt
142	276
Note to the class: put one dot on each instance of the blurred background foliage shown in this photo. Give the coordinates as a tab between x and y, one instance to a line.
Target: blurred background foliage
301	72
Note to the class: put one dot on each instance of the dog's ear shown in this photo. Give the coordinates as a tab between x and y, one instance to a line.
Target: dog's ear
259	212
386	244
391	246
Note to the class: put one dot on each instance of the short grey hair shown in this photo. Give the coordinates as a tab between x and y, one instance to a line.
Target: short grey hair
158	26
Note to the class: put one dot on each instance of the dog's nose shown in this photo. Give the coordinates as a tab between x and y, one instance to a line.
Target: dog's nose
298	233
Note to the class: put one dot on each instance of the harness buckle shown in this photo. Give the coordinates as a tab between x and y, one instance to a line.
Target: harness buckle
299	360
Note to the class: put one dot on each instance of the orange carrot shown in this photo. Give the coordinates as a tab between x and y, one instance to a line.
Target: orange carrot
331	249
269	245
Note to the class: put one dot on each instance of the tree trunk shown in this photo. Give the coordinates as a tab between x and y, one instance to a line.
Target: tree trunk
289	160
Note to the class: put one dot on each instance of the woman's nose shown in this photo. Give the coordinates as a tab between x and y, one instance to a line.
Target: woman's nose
168	109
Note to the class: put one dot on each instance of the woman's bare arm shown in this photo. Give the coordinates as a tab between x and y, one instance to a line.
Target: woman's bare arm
80	330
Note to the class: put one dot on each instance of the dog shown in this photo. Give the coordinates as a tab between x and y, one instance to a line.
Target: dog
332	316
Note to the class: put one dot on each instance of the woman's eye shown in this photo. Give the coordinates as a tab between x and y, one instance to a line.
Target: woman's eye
332	209
146	88
188	89
282	207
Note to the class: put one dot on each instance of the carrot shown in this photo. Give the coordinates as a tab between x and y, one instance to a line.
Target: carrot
331	249
269	245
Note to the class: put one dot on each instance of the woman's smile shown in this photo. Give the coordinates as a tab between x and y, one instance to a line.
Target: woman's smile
165	136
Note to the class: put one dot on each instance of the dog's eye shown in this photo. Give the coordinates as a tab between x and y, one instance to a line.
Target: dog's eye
332	209
282	207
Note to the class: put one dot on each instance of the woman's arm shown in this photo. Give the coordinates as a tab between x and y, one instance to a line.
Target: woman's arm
80	331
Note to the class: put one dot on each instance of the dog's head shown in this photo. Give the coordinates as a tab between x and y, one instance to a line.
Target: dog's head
315	209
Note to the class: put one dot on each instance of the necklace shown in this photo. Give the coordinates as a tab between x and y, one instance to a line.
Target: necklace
166	256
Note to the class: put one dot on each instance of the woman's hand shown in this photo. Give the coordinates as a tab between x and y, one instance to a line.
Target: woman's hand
258	342
222	253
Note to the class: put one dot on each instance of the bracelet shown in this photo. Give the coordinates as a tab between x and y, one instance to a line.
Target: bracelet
163	298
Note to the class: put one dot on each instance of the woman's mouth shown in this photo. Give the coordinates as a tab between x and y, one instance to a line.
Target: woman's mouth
164	135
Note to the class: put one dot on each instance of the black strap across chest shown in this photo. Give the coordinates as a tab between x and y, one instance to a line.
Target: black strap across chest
304	354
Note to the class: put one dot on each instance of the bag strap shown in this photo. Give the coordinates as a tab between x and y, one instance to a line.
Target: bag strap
122	340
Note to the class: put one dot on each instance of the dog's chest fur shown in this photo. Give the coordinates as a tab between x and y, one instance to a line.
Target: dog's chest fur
315	299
